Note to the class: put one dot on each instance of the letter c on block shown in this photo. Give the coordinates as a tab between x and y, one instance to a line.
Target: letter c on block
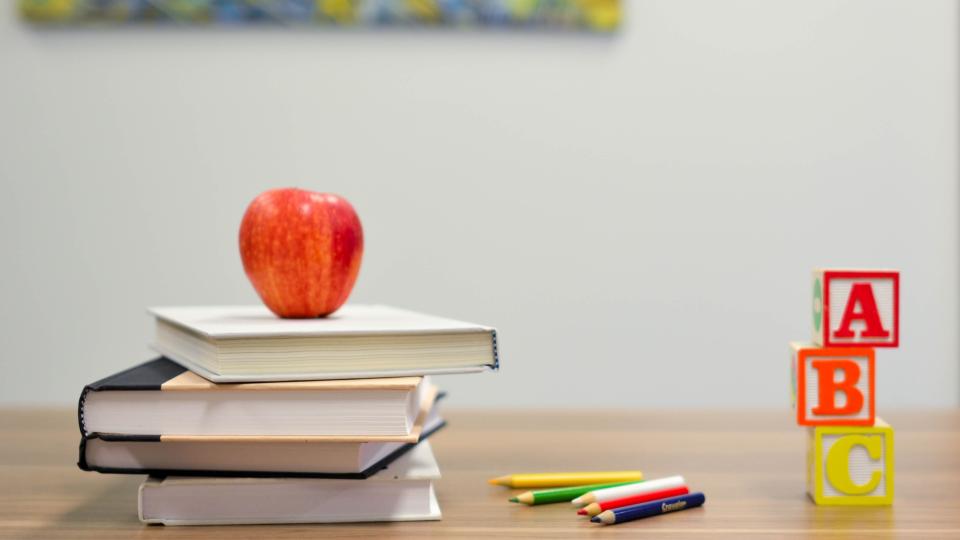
838	463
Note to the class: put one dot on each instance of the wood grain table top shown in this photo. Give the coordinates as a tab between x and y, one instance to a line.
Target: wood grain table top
750	464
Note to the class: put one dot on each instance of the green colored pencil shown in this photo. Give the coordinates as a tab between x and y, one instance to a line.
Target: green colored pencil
567	494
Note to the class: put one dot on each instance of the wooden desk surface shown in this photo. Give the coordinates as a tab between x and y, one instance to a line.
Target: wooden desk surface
750	465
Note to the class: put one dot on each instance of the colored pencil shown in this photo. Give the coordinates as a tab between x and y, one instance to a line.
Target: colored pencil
551	480
647	509
565	494
593	509
609	494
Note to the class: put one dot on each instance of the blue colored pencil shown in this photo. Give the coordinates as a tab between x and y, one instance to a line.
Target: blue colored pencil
647	509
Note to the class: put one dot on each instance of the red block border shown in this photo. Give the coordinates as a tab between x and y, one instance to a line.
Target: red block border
839	352
846	274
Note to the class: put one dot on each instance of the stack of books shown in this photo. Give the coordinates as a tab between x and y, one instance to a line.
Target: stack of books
247	418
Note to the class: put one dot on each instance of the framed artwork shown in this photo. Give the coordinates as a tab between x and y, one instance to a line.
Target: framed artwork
589	15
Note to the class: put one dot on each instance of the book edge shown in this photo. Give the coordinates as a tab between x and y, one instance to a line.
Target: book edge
361	475
469	327
315	376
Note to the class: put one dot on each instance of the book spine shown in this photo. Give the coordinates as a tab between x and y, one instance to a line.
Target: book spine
82	459
80	409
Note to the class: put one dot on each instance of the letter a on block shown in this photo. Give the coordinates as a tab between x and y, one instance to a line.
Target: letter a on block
856	308
851	465
861	306
835	386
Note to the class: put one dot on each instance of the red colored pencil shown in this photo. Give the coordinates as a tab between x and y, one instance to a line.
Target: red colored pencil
593	509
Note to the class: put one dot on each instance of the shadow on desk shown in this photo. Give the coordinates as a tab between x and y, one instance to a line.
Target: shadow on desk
113	505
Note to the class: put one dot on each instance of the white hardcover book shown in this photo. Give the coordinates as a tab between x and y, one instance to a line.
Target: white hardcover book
249	343
401	492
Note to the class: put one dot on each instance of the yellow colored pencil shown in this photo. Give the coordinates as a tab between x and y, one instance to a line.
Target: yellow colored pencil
549	480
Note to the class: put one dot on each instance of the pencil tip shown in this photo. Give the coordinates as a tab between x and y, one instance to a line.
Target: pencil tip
595	519
495	481
581	512
514	499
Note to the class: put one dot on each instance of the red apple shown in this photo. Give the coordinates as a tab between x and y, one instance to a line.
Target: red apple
301	251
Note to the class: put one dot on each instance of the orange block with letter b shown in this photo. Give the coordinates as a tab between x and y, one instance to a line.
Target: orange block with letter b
834	386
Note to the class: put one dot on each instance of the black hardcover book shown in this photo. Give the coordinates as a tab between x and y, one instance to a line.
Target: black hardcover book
158	418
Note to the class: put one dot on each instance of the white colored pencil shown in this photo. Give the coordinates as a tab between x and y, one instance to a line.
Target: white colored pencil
648	486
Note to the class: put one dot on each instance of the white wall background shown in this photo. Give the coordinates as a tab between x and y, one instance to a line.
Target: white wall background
637	214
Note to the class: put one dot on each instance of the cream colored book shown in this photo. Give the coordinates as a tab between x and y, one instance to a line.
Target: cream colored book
164	401
403	491
249	343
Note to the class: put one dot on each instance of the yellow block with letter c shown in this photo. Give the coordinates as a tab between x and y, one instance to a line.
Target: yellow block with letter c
851	465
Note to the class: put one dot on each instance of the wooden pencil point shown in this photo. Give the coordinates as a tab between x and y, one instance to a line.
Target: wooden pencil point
513	499
499	481
526	498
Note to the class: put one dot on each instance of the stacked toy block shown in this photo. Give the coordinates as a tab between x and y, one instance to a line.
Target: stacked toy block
850	449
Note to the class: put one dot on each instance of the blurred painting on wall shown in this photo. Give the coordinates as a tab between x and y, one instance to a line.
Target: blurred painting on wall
591	15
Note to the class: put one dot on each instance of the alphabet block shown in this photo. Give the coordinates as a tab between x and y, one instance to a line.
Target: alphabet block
856	308
851	465
834	386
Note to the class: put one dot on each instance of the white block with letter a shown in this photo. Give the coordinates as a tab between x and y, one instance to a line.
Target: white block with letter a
856	308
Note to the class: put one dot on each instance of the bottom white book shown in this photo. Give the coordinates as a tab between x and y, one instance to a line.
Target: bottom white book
401	492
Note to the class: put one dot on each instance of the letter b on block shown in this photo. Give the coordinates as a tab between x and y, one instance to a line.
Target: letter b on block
851	465
834	386
856	308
